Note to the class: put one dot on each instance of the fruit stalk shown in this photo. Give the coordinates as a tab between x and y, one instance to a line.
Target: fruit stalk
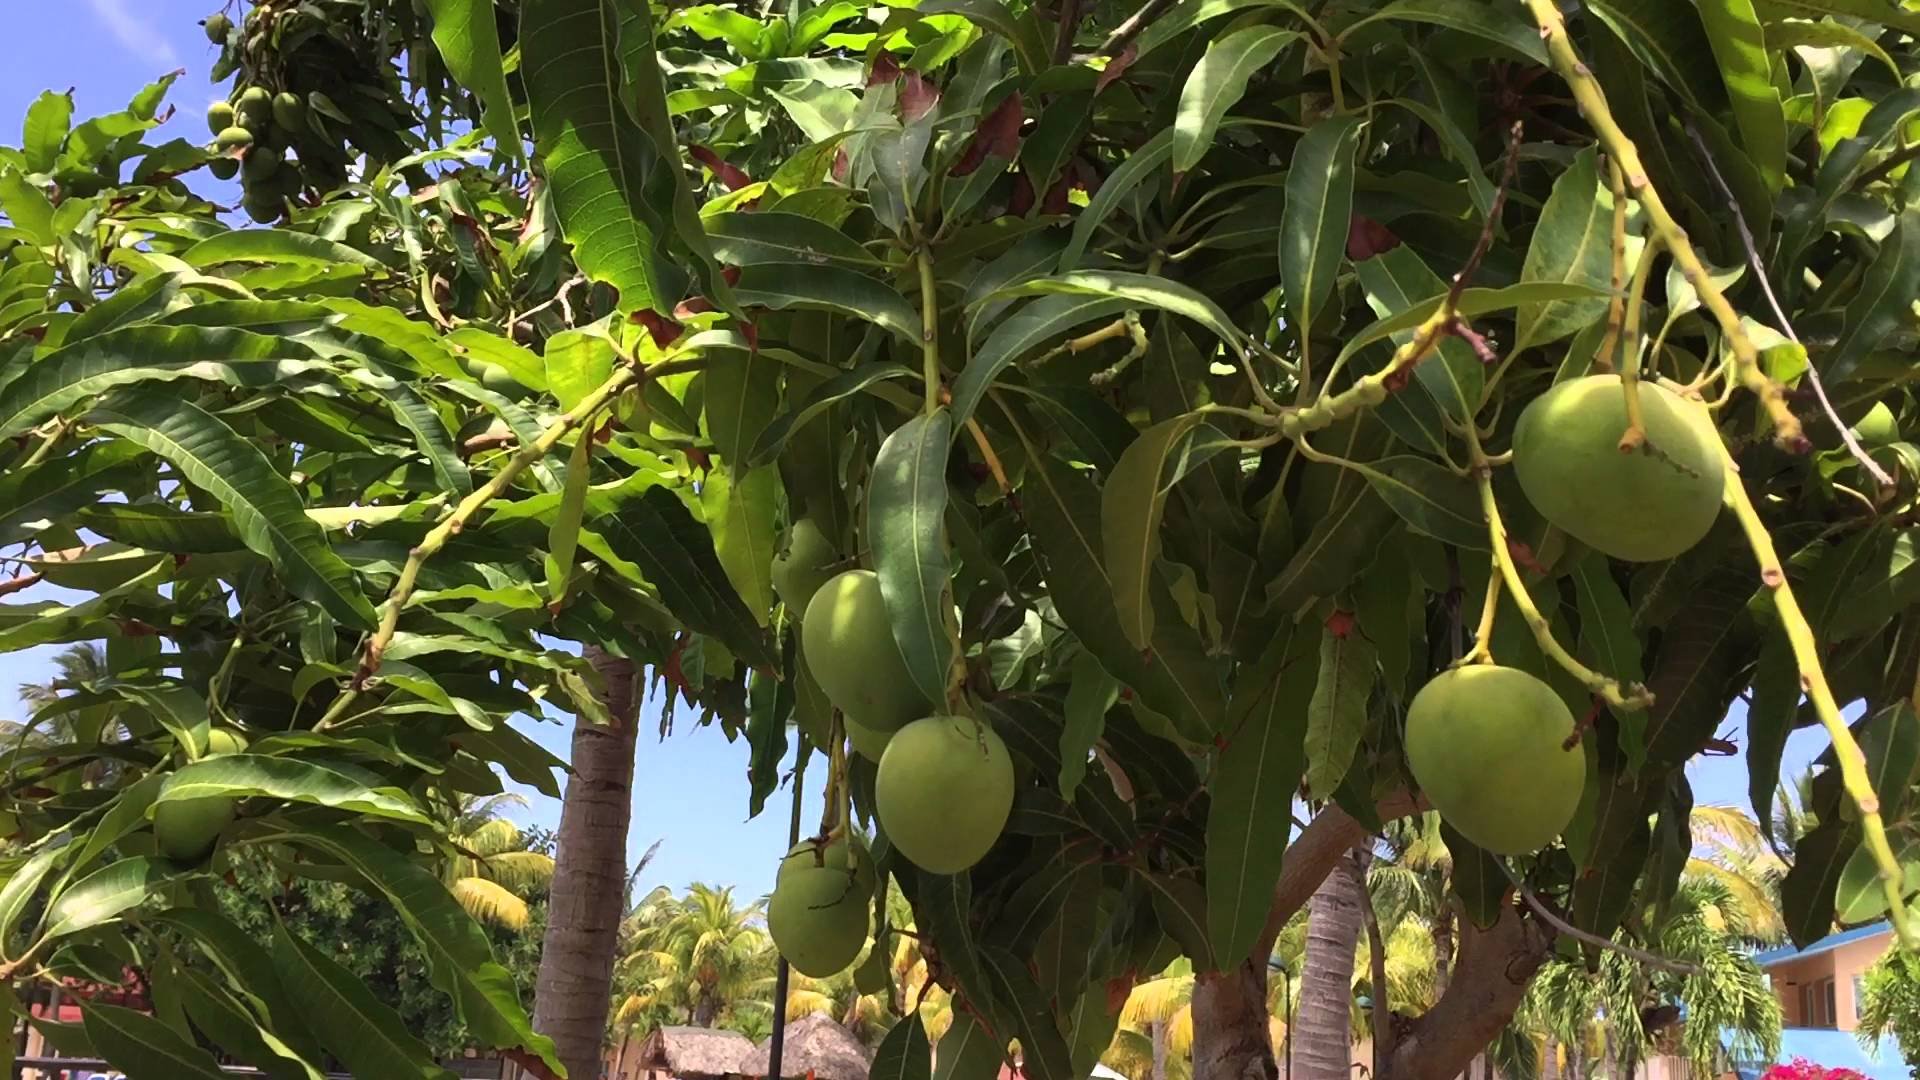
1593	105
451	525
1616	305
1806	655
1610	690
929	330
1636	433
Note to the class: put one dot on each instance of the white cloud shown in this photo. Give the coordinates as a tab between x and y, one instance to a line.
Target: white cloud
135	33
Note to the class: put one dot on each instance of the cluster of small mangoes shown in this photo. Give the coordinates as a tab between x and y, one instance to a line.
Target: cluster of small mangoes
252	134
1490	745
945	783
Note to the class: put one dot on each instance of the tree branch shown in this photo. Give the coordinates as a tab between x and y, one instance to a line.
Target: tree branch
1124	34
1490	979
1311	857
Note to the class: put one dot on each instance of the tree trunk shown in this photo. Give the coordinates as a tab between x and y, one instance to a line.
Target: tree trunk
575	981
1159	1050
1382	1012
1322	1040
1549	1059
1442	948
1489	980
1231	1037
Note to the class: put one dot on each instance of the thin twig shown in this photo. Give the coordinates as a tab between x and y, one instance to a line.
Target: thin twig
1124	34
1546	914
1886	167
1766	287
1069	22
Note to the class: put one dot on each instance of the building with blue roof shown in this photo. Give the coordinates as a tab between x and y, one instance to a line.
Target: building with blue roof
1820	988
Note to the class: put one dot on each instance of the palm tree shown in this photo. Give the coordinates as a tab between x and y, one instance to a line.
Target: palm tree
1322	1032
1155	1040
700	957
1732	850
491	872
75	666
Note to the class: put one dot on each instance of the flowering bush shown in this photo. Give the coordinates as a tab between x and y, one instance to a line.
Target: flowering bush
1802	1069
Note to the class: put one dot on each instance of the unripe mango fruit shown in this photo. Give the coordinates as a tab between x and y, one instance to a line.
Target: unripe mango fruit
220	117
850	649
818	920
1642	505
1487	745
874	975
833	856
186	829
800	570
943	792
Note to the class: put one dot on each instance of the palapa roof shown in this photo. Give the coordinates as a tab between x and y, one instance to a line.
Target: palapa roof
695	1051
814	1045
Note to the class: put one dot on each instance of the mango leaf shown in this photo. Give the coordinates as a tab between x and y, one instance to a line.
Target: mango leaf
612	187
1313	228
1337	712
468	40
1770	719
63	378
291	780
1858	895
1808	890
356	1026
1498	25
676	555
459	958
773	438
228	1025
968	1051
176	706
1216	83
1253	786
563	536
58	486
1141	290
246	968
1882	302
783	285
742	393
1132	504
1740	47
944	903
49	119
1607	642
1044	1054
1431	499
1019	26
275	246
909	502
1089	695
1572	245
265	508
741	511
1129	175
1476	302
749	239
142	1046
905	1053
1034	325
1180	681
107	893
1670	40
1476	878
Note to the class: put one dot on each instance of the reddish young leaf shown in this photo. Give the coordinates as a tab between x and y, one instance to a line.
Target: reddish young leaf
1115	68
917	97
663	330
731	176
885	69
998	134
1367	238
1021	201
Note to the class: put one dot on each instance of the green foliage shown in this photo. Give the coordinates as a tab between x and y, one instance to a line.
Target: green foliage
1106	349
1891	1005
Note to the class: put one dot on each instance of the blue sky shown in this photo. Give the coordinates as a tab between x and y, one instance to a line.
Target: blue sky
690	789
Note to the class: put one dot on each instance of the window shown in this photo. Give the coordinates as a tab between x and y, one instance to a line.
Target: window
1859	995
1810	1004
1833	1013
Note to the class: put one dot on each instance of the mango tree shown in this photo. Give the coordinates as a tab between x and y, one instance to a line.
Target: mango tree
1094	434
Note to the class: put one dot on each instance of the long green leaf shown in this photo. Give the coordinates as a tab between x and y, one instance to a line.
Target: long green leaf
1740	47
49	119
1217	83
675	553
468	38
905	1053
1252	786
1132	504
1500	25
1089	695
742	510
277	246
1313	227
1607	640
905	529
356	1026
290	780
773	438
54	488
968	1051
612	188
782	285
1394	281
563	536
65	377
144	1048
106	894
1572	245
264	506
1883	301
1337	712
1035	324
1121	183
460	960
1141	290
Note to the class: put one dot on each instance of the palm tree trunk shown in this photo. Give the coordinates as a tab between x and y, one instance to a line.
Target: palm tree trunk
1159	1050
1550	1059
575	981
1323	1048
1442	949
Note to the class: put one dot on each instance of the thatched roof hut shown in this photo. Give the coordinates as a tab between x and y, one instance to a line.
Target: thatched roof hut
814	1045
694	1051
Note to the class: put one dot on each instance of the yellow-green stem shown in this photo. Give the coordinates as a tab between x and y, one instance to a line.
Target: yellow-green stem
1629	364
1813	679
929	330
1616	304
1368	389
1627	697
1482	651
1667	231
450	526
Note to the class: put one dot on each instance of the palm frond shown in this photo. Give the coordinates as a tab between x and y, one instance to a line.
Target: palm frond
489	902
